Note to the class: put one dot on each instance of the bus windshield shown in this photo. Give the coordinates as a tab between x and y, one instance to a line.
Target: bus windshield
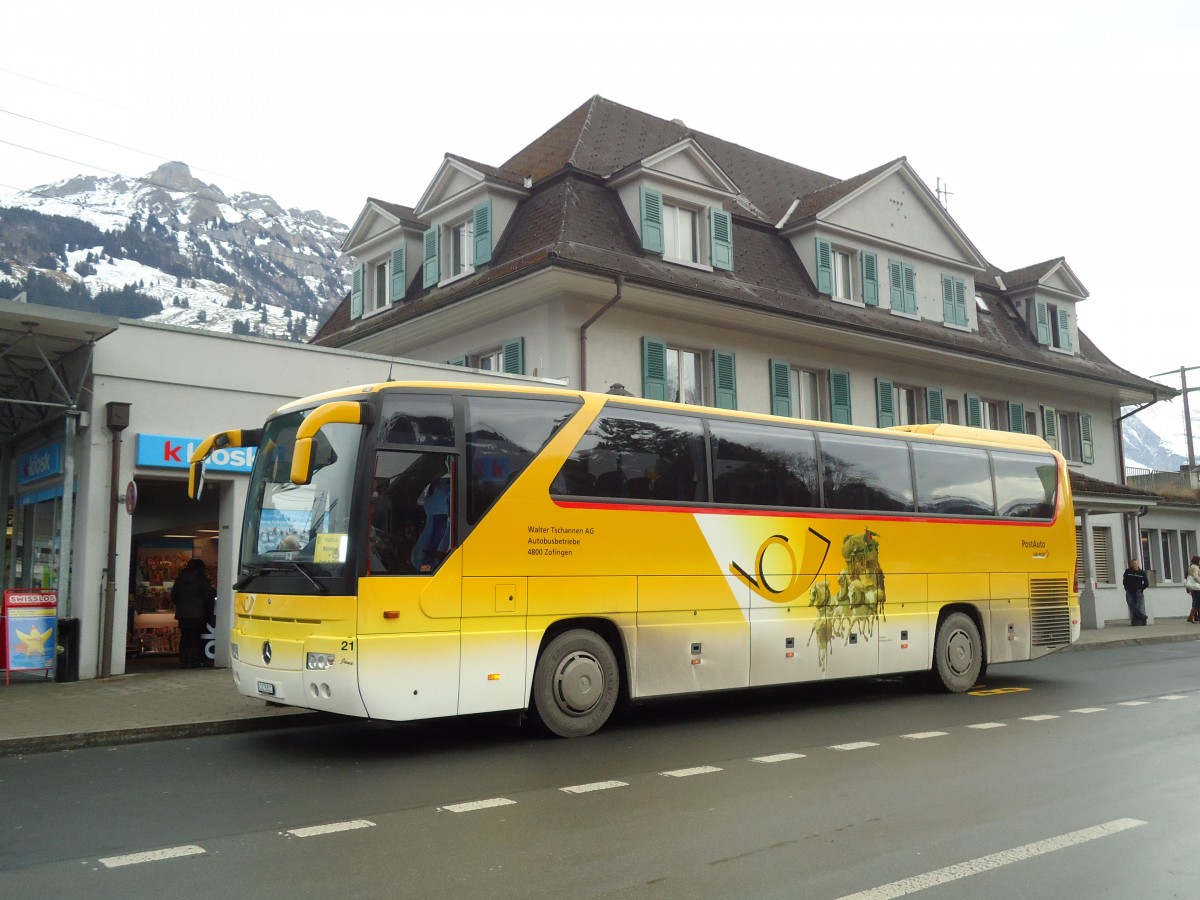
301	528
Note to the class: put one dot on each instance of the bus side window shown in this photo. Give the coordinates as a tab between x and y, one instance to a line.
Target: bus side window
411	513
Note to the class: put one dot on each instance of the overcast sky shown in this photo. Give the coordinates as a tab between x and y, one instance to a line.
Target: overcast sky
1059	128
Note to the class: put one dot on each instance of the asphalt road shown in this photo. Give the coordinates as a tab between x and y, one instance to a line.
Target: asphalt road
1072	776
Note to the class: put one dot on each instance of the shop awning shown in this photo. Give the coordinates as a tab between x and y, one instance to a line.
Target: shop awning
45	359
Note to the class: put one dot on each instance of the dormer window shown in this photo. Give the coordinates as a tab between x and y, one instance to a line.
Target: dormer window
841	275
674	228
454	249
1051	324
846	274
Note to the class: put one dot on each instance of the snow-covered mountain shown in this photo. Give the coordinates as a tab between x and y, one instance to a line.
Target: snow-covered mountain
1156	438
170	248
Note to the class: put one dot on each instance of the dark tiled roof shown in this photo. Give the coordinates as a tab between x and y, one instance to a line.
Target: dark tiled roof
1029	275
405	214
1083	484
487	171
571	218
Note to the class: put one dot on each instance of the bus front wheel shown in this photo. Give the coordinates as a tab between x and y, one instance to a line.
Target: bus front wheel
575	684
958	653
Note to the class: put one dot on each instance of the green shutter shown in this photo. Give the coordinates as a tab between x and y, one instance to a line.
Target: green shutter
1085	438
356	292
654	369
947	300
650	202
885	403
870	279
781	388
839	397
725	379
896	284
1042	323
399	281
824	267
1064	329
910	290
721	244
935	405
430	264
483	233
461	361
974	411
514	356
1050	426
960	302
1016	417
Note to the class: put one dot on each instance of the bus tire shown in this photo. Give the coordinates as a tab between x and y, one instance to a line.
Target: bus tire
575	684
957	653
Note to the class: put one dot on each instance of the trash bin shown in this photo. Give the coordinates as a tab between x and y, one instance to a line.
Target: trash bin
66	661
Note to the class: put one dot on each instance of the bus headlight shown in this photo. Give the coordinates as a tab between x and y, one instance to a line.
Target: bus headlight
318	661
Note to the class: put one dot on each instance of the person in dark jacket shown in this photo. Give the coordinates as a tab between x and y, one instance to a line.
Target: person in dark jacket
194	600
1136	582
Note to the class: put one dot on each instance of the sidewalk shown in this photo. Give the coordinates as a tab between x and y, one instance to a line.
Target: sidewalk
37	716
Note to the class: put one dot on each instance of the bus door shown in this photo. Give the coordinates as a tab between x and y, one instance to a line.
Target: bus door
410	606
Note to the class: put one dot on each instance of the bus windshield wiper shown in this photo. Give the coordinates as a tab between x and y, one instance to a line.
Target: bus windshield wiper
283	566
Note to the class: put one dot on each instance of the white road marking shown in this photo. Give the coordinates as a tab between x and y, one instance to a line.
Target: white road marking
1041	718
1134	703
478	804
1089	709
331	828
922	735
983	726
1173	697
993	861
130	859
856	745
684	773
777	757
594	786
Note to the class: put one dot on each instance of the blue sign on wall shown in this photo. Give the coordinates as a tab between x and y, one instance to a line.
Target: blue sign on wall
41	463
162	451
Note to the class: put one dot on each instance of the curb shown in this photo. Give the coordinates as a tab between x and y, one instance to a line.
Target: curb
1130	642
80	740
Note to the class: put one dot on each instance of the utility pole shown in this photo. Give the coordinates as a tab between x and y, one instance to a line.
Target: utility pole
1187	413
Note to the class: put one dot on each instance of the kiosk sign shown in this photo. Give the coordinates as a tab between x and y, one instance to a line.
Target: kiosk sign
30	626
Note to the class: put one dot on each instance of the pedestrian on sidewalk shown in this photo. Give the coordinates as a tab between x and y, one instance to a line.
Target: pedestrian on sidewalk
194	598
1136	582
1193	589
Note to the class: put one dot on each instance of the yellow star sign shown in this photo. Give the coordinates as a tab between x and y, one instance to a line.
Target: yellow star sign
35	641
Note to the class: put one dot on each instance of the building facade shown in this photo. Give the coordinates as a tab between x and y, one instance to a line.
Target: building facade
623	249
113	407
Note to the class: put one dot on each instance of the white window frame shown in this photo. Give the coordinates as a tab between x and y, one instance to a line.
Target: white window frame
488	360
1070	436
909	404
953	415
678	359
380	274
810	394
843	274
1056	338
994	414
451	231
671	212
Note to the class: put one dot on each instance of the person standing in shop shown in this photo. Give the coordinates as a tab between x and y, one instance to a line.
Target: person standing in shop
194	598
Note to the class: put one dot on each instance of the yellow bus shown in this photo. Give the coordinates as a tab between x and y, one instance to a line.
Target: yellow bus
417	550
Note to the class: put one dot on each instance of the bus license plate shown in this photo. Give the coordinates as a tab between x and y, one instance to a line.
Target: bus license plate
265	687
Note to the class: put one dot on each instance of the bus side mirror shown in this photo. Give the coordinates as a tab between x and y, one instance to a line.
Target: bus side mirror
347	412
246	437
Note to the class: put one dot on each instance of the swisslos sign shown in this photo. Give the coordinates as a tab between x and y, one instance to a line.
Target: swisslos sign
166	451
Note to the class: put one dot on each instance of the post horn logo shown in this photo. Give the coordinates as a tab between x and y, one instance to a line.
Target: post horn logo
792	580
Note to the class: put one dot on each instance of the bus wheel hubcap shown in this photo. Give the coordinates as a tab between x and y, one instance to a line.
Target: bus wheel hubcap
580	683
958	653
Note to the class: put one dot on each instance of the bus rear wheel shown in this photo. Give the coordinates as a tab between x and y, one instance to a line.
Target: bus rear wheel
575	684
958	653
